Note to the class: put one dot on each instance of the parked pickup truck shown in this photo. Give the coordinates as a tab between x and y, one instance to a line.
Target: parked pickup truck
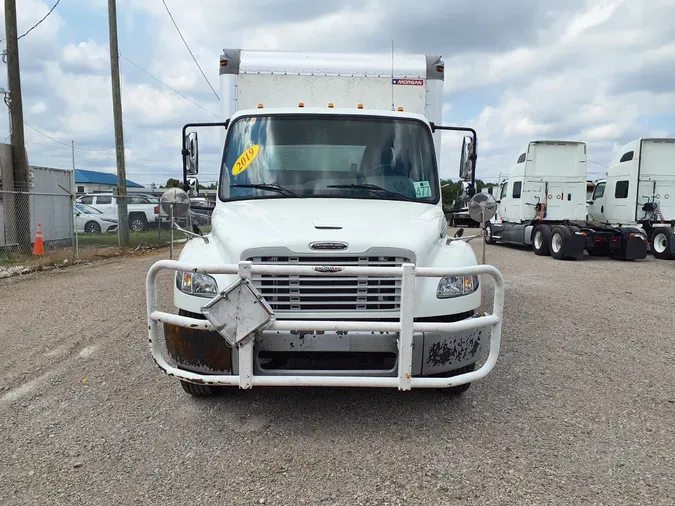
142	209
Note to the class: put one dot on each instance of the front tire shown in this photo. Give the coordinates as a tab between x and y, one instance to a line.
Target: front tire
91	227
489	239
196	390
659	243
459	390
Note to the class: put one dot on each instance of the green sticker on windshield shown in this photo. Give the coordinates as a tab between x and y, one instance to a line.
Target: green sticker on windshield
422	189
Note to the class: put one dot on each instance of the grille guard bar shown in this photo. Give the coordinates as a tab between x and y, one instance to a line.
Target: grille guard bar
405	327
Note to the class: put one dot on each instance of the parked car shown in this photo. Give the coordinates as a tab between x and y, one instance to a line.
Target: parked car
142	210
90	220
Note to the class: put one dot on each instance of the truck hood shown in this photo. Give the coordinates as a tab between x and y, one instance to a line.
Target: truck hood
296	223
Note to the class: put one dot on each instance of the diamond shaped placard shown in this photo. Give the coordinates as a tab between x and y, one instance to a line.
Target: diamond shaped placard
238	312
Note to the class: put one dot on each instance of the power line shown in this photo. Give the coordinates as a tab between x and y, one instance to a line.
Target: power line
36	24
188	48
601	164
164	84
64	144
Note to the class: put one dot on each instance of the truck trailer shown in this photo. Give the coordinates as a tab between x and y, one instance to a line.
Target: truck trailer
328	262
640	191
542	204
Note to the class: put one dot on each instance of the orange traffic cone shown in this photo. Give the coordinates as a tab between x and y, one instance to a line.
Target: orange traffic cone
38	247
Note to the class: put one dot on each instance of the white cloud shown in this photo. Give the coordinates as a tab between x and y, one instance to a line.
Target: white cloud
86	56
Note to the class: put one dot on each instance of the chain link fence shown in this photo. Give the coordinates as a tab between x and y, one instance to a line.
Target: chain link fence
38	228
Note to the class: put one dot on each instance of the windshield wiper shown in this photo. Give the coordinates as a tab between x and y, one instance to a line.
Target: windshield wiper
371	187
273	187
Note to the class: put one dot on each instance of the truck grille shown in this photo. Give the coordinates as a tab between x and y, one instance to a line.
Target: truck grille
330	293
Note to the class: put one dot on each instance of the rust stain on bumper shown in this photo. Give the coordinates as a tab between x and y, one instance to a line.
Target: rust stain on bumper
198	350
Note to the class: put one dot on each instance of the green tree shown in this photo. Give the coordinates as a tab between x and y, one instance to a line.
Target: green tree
172	183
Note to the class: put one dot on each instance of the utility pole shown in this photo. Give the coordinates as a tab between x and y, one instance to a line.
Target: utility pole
123	226
19	158
73	194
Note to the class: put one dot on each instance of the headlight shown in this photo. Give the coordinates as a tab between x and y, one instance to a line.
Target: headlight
456	286
194	283
108	221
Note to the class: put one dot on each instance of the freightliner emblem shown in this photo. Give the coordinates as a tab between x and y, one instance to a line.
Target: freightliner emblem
328	245
328	268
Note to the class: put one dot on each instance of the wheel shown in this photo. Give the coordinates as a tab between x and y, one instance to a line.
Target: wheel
659	243
458	390
488	234
559	237
196	390
541	239
91	227
138	222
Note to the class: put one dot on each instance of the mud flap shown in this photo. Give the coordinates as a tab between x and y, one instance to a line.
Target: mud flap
575	245
636	248
631	245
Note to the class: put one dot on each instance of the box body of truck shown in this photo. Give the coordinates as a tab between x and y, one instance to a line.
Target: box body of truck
328	261
543	204
280	79
640	190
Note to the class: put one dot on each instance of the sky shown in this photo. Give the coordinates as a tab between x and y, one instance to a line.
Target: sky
597	71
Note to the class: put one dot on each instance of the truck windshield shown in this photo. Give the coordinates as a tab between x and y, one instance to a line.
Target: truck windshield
281	156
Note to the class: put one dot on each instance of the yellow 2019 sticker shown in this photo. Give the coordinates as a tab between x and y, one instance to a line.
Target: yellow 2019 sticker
245	160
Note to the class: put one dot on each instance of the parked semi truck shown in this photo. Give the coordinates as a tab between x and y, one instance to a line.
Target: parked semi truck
640	191
542	204
328	262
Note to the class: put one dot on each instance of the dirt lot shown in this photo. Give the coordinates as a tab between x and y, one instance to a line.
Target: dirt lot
579	409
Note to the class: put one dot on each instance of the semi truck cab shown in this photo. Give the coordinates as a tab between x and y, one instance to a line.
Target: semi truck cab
639	190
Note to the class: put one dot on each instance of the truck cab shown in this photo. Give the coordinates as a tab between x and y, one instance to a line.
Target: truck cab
640	190
328	261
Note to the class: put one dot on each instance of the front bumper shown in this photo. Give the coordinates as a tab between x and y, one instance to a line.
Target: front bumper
292	353
403	353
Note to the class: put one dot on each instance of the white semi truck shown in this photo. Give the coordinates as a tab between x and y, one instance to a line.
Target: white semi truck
542	204
328	262
640	191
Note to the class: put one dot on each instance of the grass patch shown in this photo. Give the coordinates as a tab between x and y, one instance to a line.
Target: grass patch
152	237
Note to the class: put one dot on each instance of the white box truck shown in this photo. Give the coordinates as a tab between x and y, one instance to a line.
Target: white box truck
542	204
640	190
328	261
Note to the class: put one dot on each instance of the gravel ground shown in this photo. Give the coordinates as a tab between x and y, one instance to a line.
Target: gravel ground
580	407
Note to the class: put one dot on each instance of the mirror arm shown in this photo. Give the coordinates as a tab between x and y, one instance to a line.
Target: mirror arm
188	233
466	238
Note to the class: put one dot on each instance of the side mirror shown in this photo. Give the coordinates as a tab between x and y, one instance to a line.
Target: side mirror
191	153
459	233
193	186
589	202
465	159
